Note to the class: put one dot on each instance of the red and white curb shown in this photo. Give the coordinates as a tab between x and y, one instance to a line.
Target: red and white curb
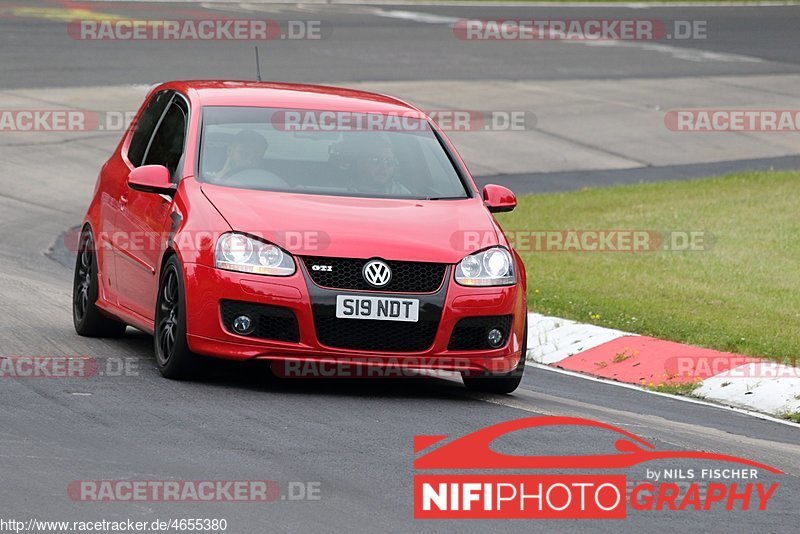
731	379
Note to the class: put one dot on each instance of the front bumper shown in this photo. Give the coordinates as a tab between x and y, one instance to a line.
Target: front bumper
207	287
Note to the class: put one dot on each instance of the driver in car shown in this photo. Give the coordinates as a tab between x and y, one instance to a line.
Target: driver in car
373	166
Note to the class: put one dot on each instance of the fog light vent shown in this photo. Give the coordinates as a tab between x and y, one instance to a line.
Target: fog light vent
488	332
495	338
260	321
243	324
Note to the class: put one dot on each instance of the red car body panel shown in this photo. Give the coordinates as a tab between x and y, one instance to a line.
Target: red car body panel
419	230
135	231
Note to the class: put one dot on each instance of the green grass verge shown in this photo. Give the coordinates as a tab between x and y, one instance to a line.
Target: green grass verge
742	295
685	389
794	417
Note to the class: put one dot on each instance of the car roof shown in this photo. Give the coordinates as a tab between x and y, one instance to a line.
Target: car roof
288	95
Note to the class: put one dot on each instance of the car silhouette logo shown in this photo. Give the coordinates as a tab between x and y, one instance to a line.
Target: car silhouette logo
377	273
473	451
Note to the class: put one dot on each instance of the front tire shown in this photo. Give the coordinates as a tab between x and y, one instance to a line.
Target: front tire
173	357
88	320
499	384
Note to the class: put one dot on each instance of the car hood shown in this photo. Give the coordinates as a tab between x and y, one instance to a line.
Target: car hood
441	231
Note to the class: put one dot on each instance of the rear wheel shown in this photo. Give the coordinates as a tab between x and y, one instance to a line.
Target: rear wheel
173	357
500	384
88	320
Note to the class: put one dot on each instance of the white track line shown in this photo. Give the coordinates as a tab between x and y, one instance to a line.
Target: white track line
766	386
677	52
690	400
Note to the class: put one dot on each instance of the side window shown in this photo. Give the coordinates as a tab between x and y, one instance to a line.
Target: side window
146	125
166	147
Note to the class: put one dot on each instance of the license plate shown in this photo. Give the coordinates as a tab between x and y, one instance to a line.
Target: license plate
377	308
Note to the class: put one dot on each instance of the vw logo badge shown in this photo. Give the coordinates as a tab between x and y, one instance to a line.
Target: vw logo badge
377	273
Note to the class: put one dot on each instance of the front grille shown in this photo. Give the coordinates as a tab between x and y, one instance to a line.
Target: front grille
366	334
270	322
345	273
470	332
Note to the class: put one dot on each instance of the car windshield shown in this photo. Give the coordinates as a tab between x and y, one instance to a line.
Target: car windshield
321	152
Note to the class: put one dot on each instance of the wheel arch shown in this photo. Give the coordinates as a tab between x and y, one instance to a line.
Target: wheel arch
168	253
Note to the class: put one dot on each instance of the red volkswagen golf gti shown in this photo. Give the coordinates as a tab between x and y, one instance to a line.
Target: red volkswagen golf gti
298	223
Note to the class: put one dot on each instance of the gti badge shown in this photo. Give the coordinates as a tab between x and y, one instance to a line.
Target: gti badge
377	273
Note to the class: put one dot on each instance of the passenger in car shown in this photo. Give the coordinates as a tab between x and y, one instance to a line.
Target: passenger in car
245	152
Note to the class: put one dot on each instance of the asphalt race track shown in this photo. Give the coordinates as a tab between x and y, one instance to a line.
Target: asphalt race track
352	437
373	42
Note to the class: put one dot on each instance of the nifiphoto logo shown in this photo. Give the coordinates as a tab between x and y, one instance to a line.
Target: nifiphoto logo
597	491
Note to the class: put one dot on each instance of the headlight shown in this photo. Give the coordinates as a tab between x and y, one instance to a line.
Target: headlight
238	252
492	267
